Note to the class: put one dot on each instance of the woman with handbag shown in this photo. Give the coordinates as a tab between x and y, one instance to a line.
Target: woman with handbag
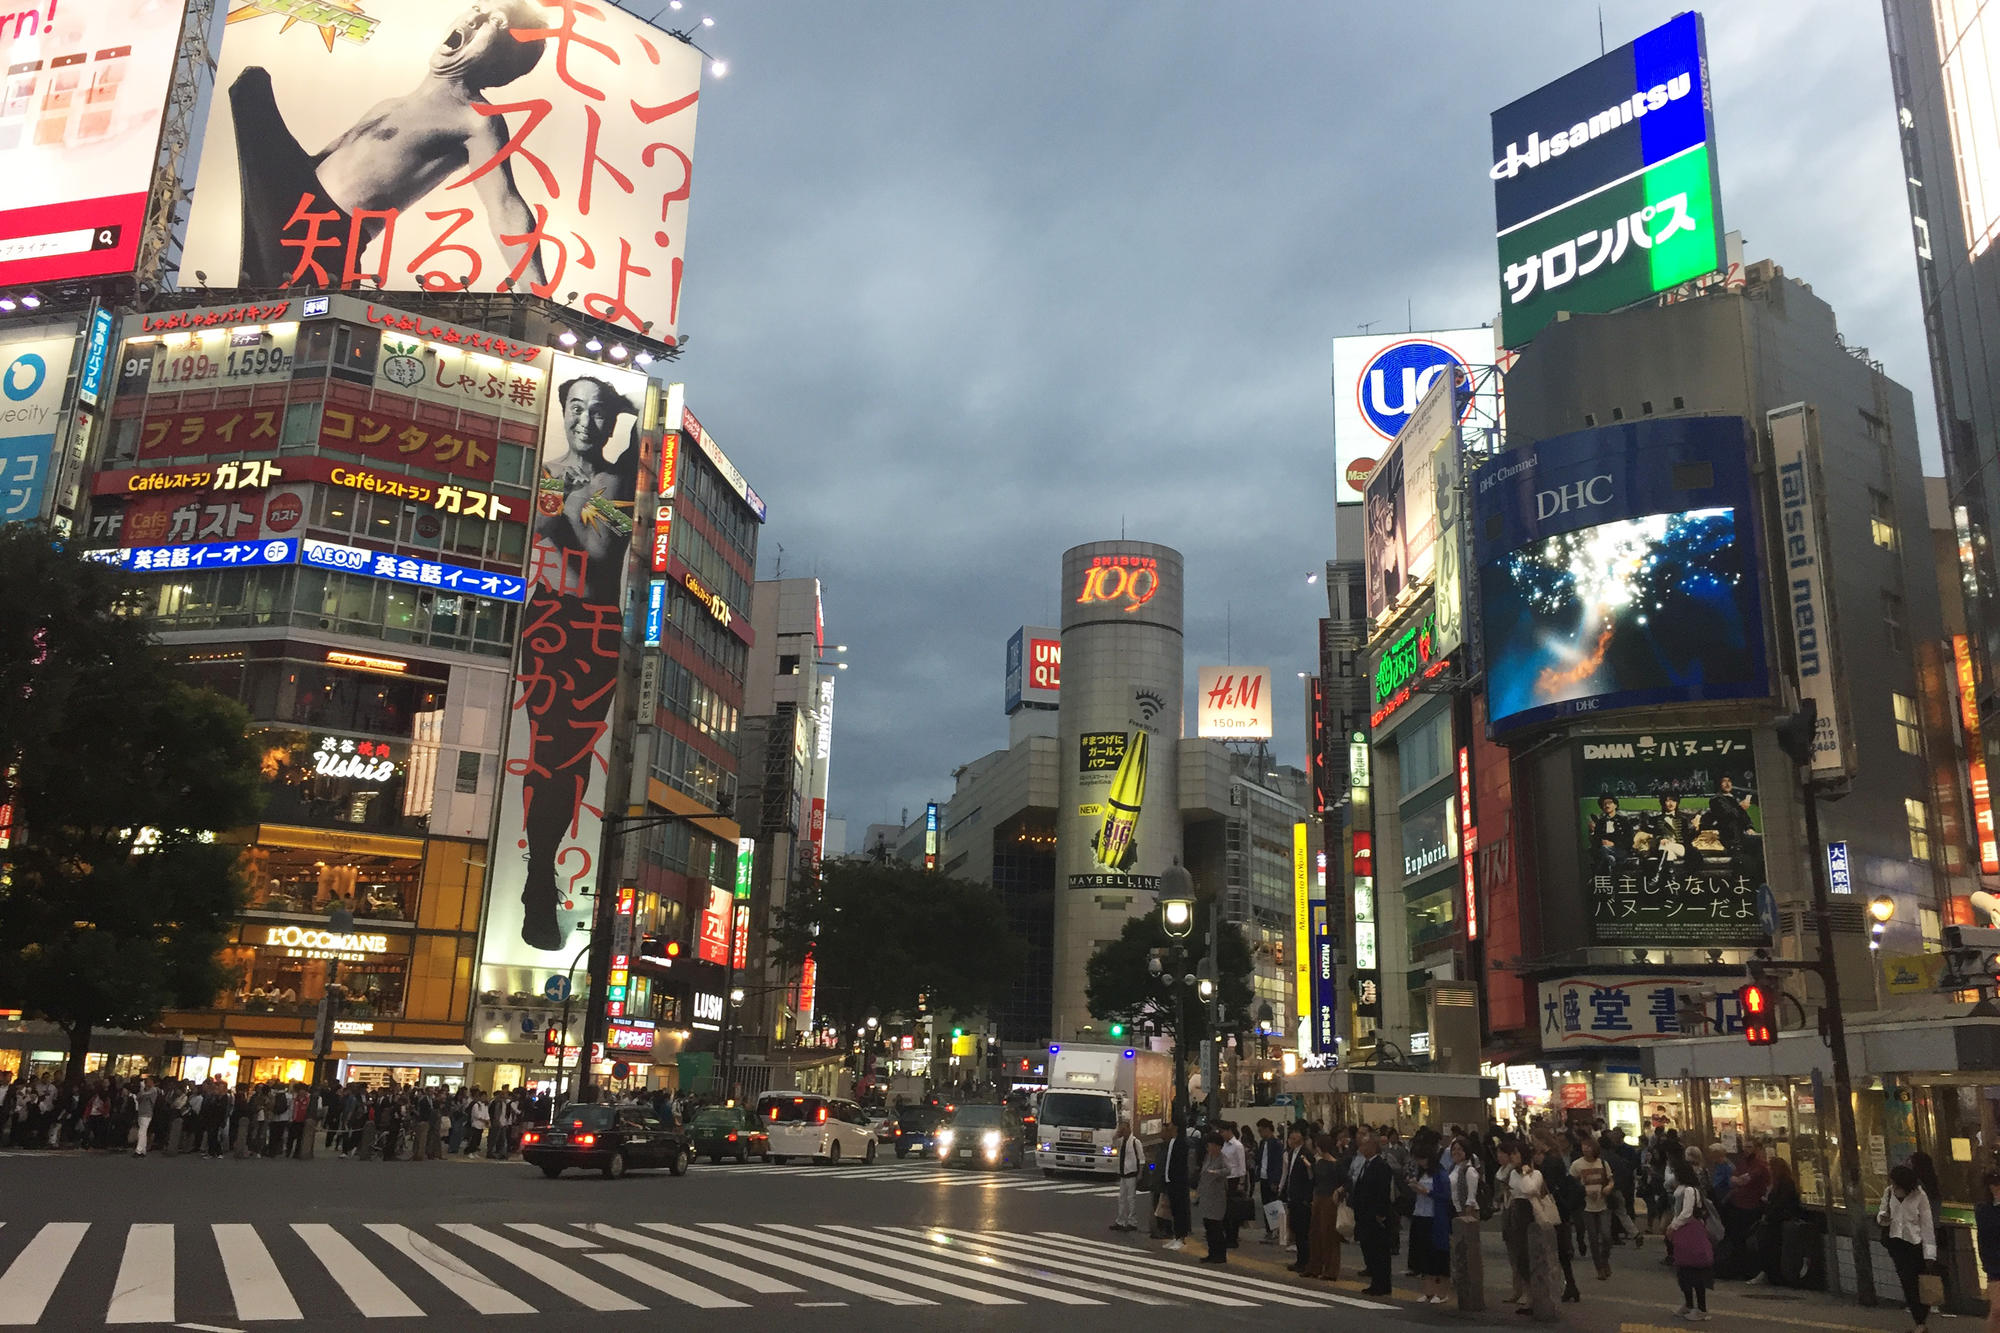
1912	1242
1691	1237
1533	1217
1329	1201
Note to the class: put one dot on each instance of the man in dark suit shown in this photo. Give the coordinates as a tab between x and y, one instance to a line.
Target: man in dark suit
1374	1202
1610	836
1295	1183
1267	1169
1175	1178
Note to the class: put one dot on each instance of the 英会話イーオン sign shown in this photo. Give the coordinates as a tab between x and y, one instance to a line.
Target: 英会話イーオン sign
1605	182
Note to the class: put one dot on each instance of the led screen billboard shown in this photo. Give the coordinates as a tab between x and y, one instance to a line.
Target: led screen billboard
1672	838
86	88
1378	380
33	372
1617	567
440	146
1605	185
552	793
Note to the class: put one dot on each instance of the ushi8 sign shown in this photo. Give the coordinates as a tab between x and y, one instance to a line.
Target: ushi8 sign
446	146
1605	185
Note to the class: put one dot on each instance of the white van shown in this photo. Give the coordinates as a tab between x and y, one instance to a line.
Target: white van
806	1124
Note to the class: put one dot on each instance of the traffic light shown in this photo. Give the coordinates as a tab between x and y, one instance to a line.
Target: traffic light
1796	731
1117	1031
1760	1026
956	1033
551	1041
1971	958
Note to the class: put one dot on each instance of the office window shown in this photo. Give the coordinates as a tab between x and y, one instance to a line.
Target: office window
1881	520
1892	623
1930	927
1920	829
1908	738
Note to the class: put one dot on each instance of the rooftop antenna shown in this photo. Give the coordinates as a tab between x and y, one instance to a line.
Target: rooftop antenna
779	572
1369	325
1409	315
1229	633
1600	30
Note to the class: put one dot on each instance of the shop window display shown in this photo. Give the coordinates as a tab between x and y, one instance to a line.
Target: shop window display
326	780
308	882
268	980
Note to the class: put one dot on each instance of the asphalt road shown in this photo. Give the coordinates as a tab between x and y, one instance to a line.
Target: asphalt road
329	1244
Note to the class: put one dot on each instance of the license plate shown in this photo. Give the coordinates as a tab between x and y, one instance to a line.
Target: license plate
965	1152
555	1140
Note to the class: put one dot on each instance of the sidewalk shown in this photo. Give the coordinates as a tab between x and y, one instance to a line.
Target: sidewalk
1640	1297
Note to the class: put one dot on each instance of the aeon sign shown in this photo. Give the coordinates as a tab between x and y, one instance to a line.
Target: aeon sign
1378	382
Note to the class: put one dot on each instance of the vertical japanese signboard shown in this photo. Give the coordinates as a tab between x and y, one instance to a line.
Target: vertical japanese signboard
552	795
1605	185
1672	838
33	372
1302	971
428	145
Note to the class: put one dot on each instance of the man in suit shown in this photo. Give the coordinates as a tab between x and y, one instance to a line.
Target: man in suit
1610	836
1268	1169
1295	1183
1374	1203
1175	1179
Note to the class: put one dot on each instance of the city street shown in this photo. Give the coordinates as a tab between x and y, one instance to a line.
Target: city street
199	1244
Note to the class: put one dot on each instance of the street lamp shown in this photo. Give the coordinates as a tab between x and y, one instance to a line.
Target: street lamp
1177	901
1176	898
1881	909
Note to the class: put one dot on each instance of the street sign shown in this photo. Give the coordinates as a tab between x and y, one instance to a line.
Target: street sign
1767	910
556	988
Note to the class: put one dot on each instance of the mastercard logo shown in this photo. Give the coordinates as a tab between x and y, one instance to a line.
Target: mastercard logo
1357	474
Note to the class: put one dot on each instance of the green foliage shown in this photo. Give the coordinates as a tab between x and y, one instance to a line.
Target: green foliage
889	933
115	902
1121	988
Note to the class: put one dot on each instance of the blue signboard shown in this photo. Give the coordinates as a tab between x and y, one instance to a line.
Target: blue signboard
1618	568
656	611
1016	651
201	555
96	351
408	569
1838	878
1324	1000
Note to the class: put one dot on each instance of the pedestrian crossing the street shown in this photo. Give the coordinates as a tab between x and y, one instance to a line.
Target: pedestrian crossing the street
76	1273
1027	1182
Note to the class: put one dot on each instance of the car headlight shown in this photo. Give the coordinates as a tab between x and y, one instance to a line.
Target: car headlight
944	1137
1108	1150
991	1138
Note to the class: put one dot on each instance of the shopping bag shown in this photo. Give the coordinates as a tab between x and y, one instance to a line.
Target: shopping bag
1163	1210
1930	1288
1343	1221
1274	1215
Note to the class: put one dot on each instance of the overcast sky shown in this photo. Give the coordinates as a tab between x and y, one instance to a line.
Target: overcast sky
970	284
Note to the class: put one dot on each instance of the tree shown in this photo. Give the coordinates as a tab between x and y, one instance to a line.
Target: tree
115	897
1121	988
886	935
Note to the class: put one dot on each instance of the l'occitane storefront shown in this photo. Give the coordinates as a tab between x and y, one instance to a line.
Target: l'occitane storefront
402	969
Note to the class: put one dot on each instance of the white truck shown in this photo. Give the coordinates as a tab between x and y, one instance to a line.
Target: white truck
1090	1089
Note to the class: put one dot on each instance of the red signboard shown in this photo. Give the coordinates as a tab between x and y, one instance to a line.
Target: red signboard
1045	664
233	475
377	433
1364	852
1468	842
713	946
739	952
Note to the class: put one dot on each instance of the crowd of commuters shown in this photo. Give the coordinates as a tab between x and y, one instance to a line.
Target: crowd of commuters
1560	1196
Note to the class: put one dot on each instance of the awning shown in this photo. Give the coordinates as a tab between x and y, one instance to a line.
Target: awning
261	1048
393	1054
1393	1083
1884	1044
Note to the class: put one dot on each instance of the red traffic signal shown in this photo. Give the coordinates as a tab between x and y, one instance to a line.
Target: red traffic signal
1760	1027
551	1041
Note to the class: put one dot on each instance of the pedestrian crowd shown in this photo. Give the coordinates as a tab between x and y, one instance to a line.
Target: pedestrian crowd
1560	1195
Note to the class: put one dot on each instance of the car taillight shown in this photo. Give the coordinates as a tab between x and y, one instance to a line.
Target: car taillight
774	1113
531	1137
820	1115
585	1140
732	1138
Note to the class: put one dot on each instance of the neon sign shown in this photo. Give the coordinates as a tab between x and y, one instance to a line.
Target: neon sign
1404	663
1131	579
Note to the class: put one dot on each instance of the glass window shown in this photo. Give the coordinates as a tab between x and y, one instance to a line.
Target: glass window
301	426
467	781
327	781
1892	622
354	352
1909	737
307	882
1881	520
1920	834
1424	751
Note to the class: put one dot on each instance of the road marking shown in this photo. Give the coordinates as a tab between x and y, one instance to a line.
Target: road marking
872	1290
1184	1286
818	1305
208	1328
562	1240
366	1285
145	1290
867	1246
260	1293
728	1272
1272	1291
31	1279
659	1279
1041	1273
460	1278
973	1294
589	1294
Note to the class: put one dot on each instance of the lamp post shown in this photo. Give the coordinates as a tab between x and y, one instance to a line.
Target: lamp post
562	1039
1177	919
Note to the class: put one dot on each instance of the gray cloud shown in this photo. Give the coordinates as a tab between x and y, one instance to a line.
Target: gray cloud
968	285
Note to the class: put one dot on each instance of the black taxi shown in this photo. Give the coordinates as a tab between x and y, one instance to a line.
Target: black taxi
613	1139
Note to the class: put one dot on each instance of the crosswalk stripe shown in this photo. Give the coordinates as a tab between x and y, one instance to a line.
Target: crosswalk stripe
1271	1291
366	1285
728	1272
254	1282
145	1290
1182	1284
872	1290
591	1295
973	1294
454	1274
31	1279
959	1271
562	1240
1043	1274
659	1279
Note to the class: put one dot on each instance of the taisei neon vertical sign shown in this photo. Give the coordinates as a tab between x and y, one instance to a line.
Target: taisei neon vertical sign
1468	842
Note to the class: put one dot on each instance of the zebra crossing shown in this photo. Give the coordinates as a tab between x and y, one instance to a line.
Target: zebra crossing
926	1173
243	1272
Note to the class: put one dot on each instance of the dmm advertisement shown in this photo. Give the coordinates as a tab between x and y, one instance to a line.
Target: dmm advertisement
79	128
1605	184
431	145
559	734
1672	838
1617	567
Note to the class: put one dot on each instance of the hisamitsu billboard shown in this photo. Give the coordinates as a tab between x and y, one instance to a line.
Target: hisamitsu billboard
1605	184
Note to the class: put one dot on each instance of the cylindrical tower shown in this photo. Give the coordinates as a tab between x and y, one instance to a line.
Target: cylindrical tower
1119	824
